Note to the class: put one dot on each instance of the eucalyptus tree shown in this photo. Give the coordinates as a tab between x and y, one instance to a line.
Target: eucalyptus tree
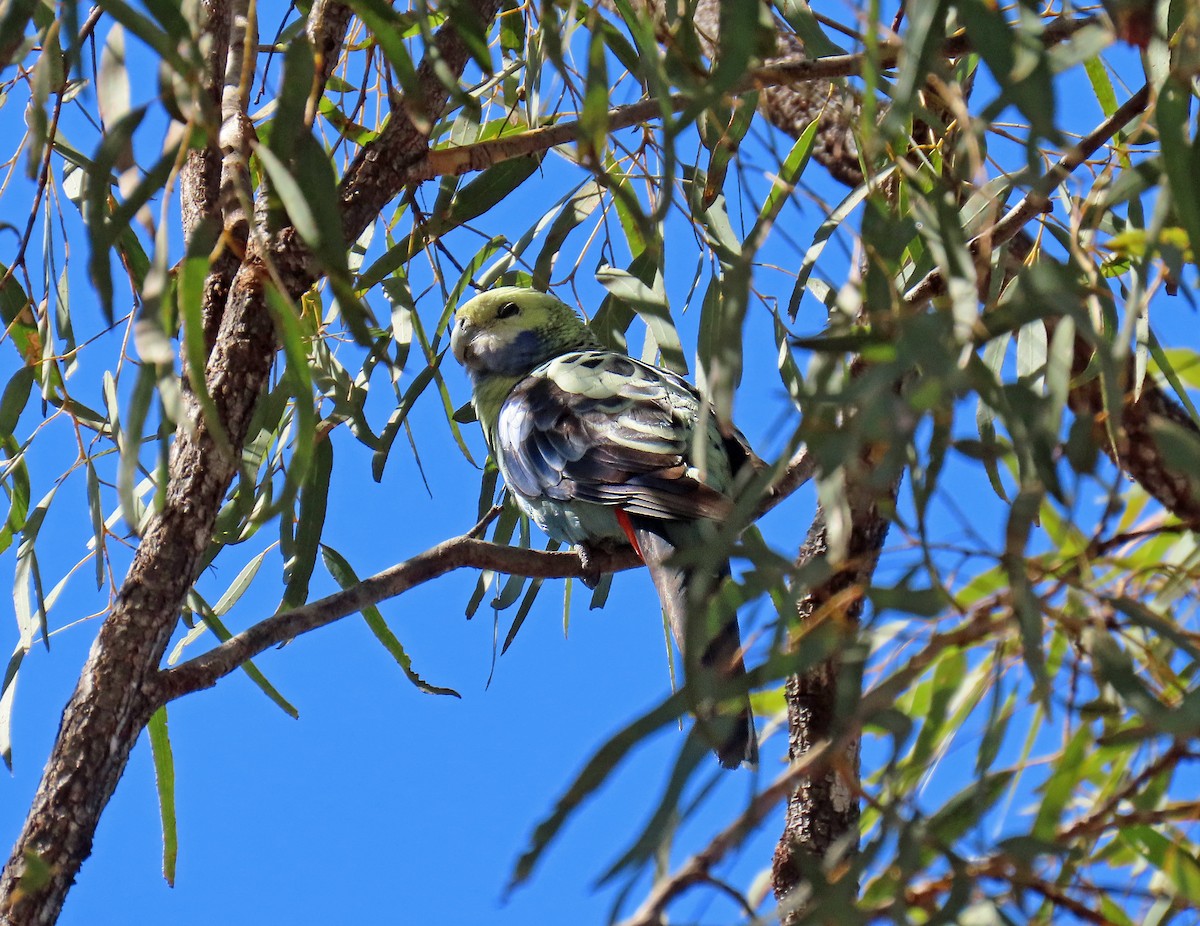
950	233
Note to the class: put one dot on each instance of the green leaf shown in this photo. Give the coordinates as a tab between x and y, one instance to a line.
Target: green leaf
217	626
16	311
131	443
783	186
13	23
1026	606
164	779
7	696
97	513
314	502
117	137
487	190
835	220
655	835
31	615
650	304
526	605
593	116
345	577
18	492
581	204
967	808
295	86
799	16
15	398
1181	158
593	775
298	376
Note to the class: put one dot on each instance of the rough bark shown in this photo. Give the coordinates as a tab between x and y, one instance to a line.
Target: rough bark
113	699
821	821
109	706
1134	442
790	108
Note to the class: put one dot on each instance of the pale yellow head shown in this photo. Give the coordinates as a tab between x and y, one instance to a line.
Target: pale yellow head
508	331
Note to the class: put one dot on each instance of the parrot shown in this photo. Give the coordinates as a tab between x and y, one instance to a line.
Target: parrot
600	450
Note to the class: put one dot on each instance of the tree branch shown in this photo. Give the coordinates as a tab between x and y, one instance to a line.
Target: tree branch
466	551
783	73
204	671
113	699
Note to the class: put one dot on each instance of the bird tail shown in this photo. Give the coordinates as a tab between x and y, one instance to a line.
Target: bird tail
730	731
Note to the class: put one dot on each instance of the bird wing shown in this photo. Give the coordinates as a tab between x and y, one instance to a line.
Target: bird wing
601	427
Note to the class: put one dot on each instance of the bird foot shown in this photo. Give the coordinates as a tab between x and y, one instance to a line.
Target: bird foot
591	572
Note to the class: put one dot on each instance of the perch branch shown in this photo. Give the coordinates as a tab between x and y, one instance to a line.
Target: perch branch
460	552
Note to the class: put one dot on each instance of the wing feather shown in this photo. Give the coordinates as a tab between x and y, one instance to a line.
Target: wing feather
601	427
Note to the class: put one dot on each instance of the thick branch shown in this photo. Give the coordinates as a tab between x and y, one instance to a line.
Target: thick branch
114	697
1131	434
328	21
201	176
823	809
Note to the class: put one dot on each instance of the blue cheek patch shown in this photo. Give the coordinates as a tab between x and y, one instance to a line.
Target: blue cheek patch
523	353
527	348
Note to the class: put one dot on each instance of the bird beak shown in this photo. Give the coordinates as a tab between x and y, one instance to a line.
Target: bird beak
460	340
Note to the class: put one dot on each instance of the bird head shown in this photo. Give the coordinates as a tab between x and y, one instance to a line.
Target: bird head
510	330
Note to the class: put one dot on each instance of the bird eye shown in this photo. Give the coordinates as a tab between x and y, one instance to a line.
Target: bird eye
508	310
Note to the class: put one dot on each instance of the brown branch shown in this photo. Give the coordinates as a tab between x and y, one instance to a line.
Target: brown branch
466	551
328	21
113	699
783	73
927	896
823	809
200	179
205	670
237	131
1104	816
1137	425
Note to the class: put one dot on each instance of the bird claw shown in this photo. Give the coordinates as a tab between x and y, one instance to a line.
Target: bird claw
591	572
